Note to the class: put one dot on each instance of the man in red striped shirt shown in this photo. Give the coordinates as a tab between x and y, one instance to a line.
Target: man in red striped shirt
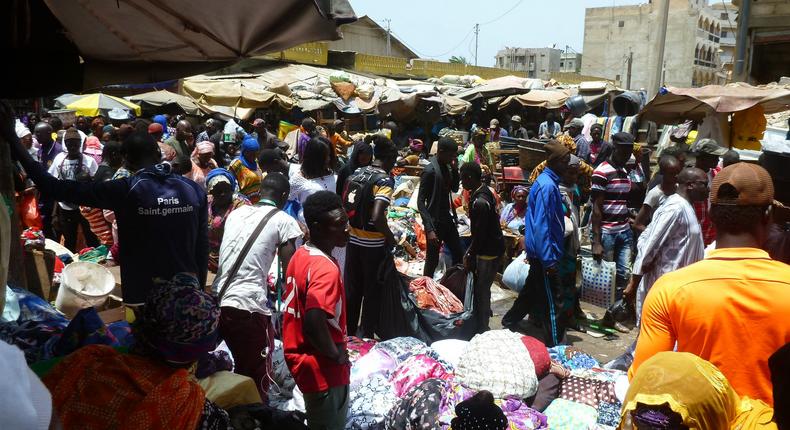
612	238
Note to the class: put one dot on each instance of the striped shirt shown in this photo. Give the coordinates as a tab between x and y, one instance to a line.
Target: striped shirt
615	185
370	237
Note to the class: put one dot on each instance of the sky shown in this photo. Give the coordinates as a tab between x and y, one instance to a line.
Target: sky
439	29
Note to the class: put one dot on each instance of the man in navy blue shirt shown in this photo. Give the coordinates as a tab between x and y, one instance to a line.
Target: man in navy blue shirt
544	236
162	217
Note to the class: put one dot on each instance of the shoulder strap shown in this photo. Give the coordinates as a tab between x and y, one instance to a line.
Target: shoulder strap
245	250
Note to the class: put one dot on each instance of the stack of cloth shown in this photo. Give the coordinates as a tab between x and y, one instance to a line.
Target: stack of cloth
432	295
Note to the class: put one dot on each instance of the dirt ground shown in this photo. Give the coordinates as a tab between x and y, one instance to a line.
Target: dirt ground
603	349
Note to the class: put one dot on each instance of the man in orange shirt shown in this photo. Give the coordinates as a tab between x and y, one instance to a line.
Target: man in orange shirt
733	307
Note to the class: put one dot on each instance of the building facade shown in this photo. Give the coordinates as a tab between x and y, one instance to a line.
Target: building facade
531	62
764	43
570	62
728	15
615	36
365	36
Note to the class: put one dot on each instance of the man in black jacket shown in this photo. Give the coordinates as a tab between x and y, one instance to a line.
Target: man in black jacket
439	180
487	246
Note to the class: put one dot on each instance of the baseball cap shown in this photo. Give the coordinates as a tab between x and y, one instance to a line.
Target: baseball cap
709	146
516	118
494	123
155	127
742	184
623	138
71	133
576	122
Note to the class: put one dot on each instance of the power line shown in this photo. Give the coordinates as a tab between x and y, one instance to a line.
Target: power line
438	55
518	3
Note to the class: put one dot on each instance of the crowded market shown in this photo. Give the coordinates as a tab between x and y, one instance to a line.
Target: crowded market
293	246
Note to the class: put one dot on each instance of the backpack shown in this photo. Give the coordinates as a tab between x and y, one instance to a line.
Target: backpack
358	195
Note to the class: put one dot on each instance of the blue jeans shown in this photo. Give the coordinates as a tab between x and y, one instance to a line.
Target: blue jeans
618	247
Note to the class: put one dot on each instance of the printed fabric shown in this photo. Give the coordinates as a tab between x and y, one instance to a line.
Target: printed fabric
572	358
376	362
419	408
415	370
567	415
455	394
520	416
432	295
497	361
358	348
249	181
590	392
369	402
96	387
401	348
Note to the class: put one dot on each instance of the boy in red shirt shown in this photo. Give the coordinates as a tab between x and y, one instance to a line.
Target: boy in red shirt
314	321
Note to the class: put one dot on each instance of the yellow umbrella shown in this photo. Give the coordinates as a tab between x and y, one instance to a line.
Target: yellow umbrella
98	103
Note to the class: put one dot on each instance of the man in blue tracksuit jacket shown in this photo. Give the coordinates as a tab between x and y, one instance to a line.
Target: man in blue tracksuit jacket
543	239
162	217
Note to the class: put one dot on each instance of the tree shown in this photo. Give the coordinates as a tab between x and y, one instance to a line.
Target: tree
459	60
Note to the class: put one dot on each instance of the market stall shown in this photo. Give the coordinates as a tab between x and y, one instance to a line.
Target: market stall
233	96
163	101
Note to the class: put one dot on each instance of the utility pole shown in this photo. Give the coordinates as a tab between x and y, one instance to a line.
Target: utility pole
388	21
477	31
663	18
628	75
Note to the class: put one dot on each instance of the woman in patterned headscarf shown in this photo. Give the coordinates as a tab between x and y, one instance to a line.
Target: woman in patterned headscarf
223	198
153	386
513	214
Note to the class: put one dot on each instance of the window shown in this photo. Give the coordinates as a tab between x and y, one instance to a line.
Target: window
621	24
542	55
562	64
724	33
724	16
542	70
617	78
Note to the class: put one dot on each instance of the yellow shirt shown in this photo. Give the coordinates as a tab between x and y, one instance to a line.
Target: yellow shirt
732	309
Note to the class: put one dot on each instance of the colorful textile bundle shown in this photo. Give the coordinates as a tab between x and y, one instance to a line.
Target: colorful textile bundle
431	295
33	237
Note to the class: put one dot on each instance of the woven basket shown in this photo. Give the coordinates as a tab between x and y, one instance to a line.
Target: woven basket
530	155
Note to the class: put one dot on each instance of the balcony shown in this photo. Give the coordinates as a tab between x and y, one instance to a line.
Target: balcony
727	41
704	63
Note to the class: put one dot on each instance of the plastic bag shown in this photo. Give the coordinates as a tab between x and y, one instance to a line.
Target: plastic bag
398	315
515	275
598	282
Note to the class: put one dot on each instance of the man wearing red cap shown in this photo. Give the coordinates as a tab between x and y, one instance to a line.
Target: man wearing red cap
733	307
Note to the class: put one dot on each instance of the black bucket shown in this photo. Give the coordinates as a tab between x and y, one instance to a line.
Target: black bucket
627	103
576	105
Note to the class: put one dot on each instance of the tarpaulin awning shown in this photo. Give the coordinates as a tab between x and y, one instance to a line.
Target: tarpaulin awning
549	99
127	41
674	105
236	97
426	106
162	99
504	86
98	103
